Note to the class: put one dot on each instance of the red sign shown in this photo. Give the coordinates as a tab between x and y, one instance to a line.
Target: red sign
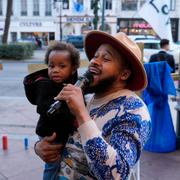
142	26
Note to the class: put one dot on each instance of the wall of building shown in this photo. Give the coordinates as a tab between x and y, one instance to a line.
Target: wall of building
72	22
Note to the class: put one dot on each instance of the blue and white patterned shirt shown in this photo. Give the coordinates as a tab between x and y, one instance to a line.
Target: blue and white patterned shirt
110	145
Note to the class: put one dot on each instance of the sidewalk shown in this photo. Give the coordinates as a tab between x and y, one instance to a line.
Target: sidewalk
18	119
20	164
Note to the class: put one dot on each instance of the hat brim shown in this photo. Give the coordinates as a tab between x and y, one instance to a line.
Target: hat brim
138	79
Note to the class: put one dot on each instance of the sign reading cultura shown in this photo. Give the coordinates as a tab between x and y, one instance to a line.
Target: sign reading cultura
79	19
30	24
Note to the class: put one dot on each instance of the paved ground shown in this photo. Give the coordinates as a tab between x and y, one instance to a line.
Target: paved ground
18	118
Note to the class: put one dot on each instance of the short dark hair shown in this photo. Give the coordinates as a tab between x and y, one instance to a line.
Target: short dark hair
63	46
164	42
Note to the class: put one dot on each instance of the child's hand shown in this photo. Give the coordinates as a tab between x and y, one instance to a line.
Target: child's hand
47	150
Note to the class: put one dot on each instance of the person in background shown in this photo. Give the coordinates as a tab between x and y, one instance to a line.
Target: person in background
41	87
115	125
163	55
39	42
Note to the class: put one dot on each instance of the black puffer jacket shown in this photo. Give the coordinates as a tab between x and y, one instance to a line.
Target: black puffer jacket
40	91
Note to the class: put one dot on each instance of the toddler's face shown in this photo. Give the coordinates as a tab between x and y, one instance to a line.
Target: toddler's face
59	66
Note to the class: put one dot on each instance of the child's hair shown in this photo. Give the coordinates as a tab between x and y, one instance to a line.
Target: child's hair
61	46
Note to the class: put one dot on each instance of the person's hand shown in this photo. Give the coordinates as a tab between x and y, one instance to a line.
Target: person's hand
47	150
75	101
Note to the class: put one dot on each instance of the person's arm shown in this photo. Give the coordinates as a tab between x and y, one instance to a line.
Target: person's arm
152	58
118	146
47	150
110	155
172	63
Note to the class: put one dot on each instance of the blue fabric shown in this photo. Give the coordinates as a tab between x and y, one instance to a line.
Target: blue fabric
78	6
51	171
160	84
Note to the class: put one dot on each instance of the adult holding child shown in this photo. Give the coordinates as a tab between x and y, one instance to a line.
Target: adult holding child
115	125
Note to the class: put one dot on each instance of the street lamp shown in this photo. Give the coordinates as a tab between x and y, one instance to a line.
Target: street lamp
103	9
60	20
59	2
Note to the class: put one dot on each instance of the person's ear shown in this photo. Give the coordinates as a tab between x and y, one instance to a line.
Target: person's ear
74	69
125	74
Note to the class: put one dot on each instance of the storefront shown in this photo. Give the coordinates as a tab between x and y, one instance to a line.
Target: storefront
32	29
139	26
43	36
83	24
77	25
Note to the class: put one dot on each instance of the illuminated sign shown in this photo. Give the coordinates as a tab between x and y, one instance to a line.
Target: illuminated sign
142	26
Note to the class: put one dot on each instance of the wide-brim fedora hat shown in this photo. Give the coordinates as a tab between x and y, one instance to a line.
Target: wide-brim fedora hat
126	47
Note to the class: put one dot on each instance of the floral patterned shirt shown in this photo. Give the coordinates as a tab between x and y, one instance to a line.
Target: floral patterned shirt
110	145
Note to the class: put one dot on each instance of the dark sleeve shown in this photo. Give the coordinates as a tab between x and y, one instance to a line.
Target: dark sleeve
152	59
171	62
46	92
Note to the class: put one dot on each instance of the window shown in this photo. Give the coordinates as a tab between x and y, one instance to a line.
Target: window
152	45
36	7
48	8
65	4
23	7
1	12
108	4
92	3
129	5
142	2
13	36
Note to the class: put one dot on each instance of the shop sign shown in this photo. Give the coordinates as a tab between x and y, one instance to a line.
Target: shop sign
142	26
79	19
30	24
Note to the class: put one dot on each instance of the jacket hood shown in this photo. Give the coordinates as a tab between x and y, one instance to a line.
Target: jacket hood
30	82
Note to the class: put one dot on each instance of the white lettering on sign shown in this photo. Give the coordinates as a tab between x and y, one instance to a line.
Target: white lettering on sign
156	13
161	9
30	24
79	19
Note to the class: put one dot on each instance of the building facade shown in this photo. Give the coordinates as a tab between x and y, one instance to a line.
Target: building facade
55	19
